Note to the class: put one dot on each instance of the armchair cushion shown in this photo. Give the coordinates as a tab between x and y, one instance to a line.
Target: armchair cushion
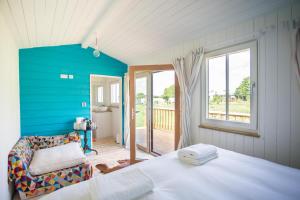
56	158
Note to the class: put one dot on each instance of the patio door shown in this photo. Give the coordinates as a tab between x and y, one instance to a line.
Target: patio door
154	105
142	110
162	131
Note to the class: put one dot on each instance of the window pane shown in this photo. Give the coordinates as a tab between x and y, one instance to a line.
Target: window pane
239	86
217	88
114	91
100	94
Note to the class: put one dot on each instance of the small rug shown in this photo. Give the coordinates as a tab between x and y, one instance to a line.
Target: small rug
122	163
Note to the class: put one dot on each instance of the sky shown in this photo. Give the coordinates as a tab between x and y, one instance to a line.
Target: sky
161	80
239	68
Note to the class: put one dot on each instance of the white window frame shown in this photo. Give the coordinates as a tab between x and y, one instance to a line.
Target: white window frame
231	126
110	89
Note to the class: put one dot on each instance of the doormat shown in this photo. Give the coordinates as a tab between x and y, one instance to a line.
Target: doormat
122	164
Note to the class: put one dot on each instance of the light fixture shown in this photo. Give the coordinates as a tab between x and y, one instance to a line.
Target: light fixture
96	52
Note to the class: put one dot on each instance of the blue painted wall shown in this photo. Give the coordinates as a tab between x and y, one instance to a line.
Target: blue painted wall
49	104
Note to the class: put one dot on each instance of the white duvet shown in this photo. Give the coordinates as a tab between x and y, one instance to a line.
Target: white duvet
230	176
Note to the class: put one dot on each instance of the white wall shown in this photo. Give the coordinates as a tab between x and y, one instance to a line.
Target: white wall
9	102
279	92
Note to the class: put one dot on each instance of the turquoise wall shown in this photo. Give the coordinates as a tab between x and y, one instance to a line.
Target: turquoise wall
50	104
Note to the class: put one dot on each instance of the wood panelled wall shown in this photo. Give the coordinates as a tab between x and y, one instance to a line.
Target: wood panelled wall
49	104
279	91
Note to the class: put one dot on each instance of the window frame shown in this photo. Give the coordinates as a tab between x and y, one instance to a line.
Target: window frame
110	89
250	128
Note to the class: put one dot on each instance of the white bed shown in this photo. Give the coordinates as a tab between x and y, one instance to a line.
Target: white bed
230	176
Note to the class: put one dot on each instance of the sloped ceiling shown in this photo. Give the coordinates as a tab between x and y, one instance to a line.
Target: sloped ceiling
126	28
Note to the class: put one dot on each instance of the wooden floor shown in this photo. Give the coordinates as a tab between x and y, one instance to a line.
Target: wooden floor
109	152
163	141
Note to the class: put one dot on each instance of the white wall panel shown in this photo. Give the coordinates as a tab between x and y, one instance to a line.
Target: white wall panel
9	102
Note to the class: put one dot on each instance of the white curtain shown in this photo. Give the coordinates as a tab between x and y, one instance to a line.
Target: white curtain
297	53
187	71
126	112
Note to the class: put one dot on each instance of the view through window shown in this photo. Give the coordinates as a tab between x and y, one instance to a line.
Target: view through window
229	87
100	94
114	93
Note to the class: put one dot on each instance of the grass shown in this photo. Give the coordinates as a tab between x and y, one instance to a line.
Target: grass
234	107
140	115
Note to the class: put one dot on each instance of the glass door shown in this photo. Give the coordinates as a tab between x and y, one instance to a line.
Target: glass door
163	112
142	110
154	109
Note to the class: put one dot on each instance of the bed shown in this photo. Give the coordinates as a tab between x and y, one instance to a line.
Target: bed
230	176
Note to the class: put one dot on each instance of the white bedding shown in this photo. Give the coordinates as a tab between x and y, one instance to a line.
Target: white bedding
230	176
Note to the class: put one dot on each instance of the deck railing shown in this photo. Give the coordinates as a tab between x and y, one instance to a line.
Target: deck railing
240	117
164	119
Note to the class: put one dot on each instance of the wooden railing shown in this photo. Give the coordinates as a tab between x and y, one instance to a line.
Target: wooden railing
164	119
241	117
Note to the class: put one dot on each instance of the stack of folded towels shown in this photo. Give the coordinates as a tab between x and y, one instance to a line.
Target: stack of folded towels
197	154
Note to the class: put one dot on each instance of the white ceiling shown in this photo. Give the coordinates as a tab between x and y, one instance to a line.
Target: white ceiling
126	28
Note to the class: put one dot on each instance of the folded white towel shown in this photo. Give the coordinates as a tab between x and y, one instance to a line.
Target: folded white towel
127	185
198	161
197	154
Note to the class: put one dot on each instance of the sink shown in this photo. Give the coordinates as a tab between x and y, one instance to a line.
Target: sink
103	108
100	109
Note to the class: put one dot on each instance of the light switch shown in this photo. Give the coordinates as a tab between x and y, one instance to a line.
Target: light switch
63	76
83	104
71	76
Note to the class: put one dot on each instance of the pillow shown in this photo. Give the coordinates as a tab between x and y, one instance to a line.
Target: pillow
56	158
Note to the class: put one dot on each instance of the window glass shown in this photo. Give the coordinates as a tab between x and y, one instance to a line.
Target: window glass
239	86
100	94
217	88
229	88
114	91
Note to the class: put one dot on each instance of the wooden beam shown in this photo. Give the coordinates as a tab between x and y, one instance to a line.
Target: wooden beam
132	115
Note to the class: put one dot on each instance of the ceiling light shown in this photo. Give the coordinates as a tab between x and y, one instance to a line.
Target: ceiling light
96	52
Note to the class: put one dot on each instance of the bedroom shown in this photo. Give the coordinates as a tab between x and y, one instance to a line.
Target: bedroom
49	50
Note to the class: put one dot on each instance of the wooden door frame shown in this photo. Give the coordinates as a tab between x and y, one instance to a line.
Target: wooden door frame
132	70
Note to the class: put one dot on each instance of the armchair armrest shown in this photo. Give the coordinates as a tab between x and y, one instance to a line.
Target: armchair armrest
19	159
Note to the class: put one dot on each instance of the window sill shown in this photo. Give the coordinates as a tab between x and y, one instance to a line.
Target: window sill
244	132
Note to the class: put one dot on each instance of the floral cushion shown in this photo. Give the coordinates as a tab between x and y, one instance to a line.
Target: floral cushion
20	157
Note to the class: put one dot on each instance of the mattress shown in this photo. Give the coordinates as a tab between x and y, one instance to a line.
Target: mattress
230	176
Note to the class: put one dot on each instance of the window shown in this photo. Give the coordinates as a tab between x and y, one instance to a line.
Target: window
100	94
229	89
114	93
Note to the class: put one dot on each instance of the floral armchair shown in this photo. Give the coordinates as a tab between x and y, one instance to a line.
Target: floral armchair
30	186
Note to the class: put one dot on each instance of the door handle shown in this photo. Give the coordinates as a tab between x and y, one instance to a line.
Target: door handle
132	114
